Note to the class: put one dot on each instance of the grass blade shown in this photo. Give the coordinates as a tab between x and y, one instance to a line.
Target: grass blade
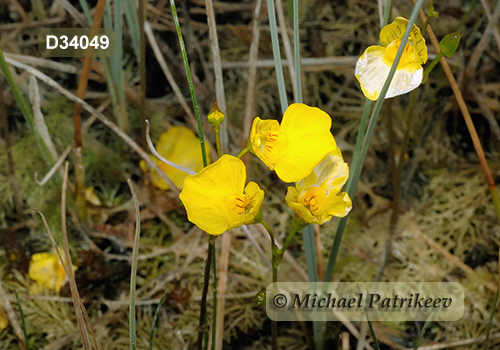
190	80
155	320
277	55
296	50
23	323
424	328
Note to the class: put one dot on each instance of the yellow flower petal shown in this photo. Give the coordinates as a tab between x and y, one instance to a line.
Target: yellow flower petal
393	31
216	199
317	198
261	131
297	146
47	270
180	145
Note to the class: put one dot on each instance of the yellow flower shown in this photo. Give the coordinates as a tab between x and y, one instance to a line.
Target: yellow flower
46	269
317	198
181	146
216	198
295	147
372	68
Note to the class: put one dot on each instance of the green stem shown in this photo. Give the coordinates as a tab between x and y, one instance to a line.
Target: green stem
214	294
432	65
202	326
190	81
243	151
288	240
275	251
217	141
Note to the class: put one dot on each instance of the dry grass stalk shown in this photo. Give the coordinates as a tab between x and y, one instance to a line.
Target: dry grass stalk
249	113
219	83
68	266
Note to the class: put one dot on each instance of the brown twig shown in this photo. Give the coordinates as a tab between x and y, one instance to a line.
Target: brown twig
319	253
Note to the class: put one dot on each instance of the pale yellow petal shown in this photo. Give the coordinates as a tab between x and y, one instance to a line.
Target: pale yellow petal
405	80
373	69
317	198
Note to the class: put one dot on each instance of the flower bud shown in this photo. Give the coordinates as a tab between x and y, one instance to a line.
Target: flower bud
216	117
449	44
